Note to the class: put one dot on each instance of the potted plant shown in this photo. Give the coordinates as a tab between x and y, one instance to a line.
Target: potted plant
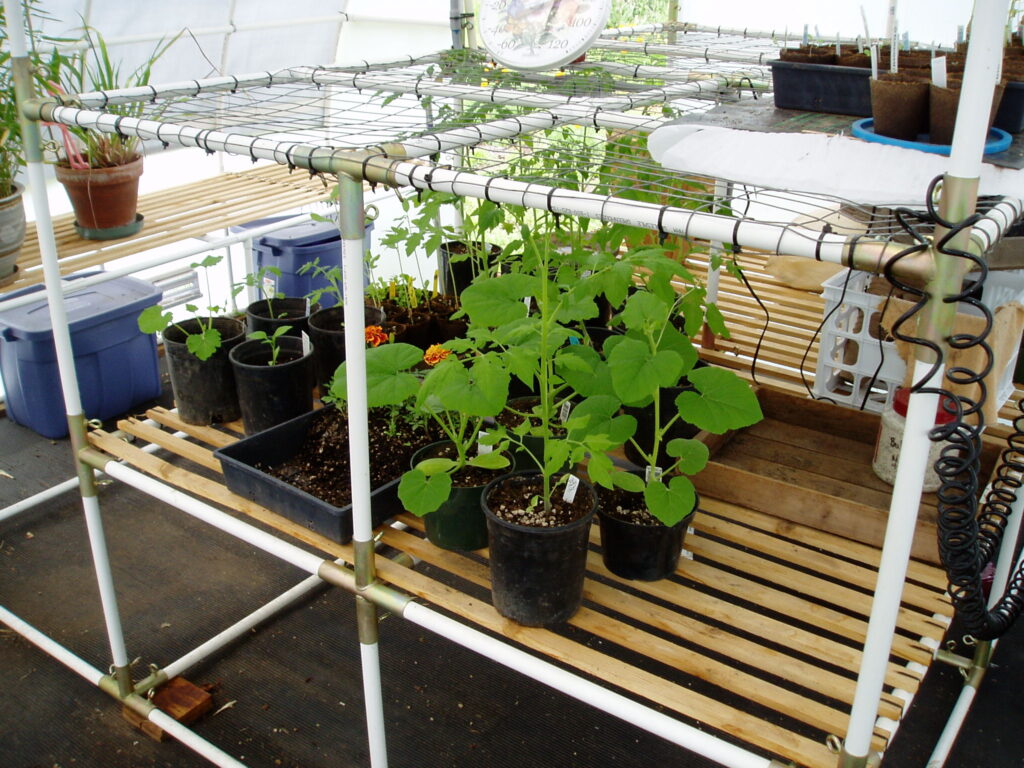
273	309
102	178
197	350
539	518
457	396
643	518
327	325
274	374
12	152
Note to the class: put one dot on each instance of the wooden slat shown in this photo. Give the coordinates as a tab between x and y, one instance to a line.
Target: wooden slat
208	435
157	436
189	211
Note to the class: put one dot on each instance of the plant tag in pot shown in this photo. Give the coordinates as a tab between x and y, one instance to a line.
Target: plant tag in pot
652	473
570	489
564	411
269	286
307	347
481	449
686	554
939	71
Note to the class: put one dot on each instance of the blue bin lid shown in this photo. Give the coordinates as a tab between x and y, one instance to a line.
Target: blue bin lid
302	234
85	308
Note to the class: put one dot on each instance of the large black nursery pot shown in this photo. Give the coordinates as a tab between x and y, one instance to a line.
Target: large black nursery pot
459	524
634	550
456	269
271	394
204	390
537	573
269	314
327	332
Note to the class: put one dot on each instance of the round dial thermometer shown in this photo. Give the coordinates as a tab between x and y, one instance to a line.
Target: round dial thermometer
540	34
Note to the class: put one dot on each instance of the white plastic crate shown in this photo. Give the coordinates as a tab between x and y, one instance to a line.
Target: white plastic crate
850	351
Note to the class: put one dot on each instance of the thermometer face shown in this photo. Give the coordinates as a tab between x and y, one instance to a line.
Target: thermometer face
540	34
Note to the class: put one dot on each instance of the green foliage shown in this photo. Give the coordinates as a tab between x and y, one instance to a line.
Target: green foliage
93	69
202	343
271	339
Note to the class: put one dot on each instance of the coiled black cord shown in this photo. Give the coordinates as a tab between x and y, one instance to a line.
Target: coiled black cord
967	540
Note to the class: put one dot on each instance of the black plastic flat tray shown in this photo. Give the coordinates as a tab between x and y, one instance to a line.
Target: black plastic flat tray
241	464
822	88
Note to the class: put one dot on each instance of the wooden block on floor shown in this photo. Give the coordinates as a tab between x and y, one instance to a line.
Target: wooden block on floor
178	698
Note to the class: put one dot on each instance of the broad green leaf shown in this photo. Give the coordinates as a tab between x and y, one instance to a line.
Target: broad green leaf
627	481
153	319
645	311
422	495
208	261
693	311
436	466
599	469
636	373
677	342
487	389
204	344
387	380
670	503
723	401
583	369
489	461
498	300
692	455
556	453
716	322
598	415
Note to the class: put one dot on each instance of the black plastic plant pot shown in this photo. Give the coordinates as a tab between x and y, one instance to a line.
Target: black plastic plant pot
270	394
244	464
327	332
204	390
537	573
456	269
459	524
642	552
269	314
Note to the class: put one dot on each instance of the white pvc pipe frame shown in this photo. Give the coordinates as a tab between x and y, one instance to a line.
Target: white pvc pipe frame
970	130
607	701
909	474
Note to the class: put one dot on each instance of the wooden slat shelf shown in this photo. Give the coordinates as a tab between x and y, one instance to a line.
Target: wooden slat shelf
757	636
173	215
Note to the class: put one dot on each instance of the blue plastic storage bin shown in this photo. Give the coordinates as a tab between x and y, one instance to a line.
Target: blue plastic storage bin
116	363
289	249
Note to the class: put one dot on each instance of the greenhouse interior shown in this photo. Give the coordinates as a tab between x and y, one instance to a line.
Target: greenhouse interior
729	296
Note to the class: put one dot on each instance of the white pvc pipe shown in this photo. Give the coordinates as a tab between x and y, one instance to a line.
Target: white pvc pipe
369	657
984	56
243	626
899	535
36	499
586	691
105	580
212	516
51	647
947	738
197	744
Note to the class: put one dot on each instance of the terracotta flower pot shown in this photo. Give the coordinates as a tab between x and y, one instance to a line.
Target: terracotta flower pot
103	198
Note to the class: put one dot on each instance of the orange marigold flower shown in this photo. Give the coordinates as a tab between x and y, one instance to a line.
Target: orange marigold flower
375	335
435	354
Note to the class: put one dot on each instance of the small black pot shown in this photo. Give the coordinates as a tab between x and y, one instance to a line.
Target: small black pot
643	552
269	314
271	394
459	524
537	573
204	390
327	332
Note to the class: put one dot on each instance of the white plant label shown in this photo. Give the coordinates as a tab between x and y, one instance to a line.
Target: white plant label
653	473
307	346
570	489
686	554
481	449
564	411
269	286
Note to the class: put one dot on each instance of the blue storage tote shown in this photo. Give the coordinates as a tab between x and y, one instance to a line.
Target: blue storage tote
116	363
290	248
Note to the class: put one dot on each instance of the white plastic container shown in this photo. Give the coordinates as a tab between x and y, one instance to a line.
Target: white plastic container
850	351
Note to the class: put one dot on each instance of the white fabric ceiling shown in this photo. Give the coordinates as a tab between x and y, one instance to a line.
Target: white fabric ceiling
373	30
